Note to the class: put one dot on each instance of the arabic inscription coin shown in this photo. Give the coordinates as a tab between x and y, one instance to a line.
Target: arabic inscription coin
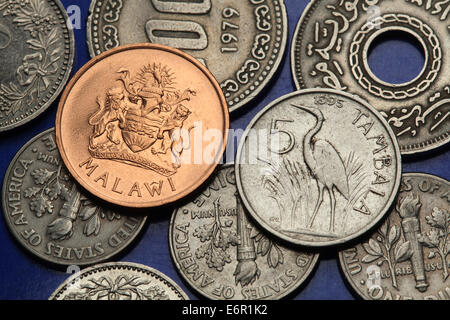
52	217
318	167
119	281
142	125
223	255
330	49
36	50
407	257
241	42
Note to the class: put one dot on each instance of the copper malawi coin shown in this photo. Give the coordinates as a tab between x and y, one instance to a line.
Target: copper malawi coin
142	125
331	47
241	42
318	167
119	281
36	52
52	218
212	236
408	256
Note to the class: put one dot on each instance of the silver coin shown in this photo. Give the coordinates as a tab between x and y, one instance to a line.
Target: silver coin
330	49
51	217
119	281
241	42
318	167
408	257
222	255
36	50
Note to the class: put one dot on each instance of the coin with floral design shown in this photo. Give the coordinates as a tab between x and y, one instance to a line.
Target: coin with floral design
223	255
408	257
119	281
55	219
36	50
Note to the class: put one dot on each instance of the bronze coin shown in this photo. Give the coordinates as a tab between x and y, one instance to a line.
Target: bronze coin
142	125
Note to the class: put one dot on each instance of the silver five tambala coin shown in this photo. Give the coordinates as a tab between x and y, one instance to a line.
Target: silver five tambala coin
241	42
318	167
51	217
36	51
223	255
119	281
408	257
331	46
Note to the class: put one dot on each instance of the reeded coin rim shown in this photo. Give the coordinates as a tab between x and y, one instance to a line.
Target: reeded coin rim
300	281
62	82
38	254
341	253
250	97
140	46
117	265
341	240
407	149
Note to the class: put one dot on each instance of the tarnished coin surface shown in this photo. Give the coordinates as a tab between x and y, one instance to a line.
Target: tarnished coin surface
224	256
119	281
408	257
142	125
52	218
241	42
330	49
36	51
318	167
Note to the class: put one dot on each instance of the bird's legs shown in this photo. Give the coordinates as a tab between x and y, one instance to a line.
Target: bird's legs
333	208
319	202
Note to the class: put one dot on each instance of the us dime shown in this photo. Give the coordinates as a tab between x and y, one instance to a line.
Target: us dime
36	50
223	255
407	257
318	167
52	217
119	281
330	49
241	42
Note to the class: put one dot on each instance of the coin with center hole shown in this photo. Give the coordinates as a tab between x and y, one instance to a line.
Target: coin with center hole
52	217
223	255
318	167
241	42
408	256
119	281
142	125
36	51
330	49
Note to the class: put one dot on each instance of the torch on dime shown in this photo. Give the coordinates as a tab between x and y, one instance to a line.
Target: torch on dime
55	219
212	236
408	256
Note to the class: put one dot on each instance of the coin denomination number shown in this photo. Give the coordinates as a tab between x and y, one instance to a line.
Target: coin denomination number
274	130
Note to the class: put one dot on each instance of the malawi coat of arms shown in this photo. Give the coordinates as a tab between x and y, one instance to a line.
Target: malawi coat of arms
140	121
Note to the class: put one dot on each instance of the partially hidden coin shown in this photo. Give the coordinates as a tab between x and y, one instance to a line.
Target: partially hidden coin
223	255
142	125
318	167
36	51
330	49
241	42
407	257
119	281
51	217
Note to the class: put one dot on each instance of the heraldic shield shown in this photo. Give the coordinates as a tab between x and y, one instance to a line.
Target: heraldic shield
140	121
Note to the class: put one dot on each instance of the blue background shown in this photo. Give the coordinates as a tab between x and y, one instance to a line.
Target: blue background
24	277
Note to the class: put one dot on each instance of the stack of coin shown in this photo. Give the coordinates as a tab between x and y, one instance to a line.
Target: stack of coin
145	125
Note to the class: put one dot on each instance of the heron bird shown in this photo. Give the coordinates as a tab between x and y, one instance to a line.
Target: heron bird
325	165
